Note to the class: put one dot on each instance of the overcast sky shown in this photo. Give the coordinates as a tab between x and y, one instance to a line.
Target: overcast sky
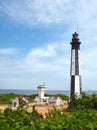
35	38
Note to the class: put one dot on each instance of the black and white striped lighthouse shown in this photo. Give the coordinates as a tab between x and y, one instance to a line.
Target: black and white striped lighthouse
75	84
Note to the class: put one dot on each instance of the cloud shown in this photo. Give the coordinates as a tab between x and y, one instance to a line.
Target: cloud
46	52
7	59
66	13
45	12
48	58
53	58
88	58
53	12
7	51
8	64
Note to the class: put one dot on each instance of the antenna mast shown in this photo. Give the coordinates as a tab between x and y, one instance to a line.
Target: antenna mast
77	28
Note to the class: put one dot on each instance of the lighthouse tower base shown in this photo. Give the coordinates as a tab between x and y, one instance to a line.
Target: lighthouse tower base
75	89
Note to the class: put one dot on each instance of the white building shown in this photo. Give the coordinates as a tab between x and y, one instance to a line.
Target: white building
41	91
54	101
51	101
15	102
41	94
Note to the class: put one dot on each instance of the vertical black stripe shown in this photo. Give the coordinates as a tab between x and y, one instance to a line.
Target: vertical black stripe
76	62
72	86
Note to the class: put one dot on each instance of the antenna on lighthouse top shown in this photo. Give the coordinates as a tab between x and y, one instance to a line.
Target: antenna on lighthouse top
77	28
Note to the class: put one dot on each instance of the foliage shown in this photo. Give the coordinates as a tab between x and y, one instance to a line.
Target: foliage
62	96
83	116
4	98
87	102
55	120
32	97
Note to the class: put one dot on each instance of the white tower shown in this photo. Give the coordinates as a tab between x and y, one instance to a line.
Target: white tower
41	91
75	86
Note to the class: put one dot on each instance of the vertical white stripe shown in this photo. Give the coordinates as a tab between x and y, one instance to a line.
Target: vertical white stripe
77	84
74	62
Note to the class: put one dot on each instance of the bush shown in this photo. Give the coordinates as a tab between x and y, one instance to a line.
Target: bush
83	116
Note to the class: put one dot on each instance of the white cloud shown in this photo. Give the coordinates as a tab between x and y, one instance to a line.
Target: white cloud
55	12
54	57
43	64
68	13
88	59
44	59
7	51
46	52
45	12
7	59
48	58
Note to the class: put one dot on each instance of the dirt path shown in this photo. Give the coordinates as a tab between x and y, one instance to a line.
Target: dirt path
41	108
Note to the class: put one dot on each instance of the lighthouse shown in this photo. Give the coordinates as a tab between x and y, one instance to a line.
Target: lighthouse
41	92
75	81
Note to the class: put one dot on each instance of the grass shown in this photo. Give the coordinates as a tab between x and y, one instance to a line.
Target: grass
4	98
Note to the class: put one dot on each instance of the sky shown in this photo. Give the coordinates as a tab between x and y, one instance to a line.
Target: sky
35	38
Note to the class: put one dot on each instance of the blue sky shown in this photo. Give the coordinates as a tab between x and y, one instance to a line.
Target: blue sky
35	43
